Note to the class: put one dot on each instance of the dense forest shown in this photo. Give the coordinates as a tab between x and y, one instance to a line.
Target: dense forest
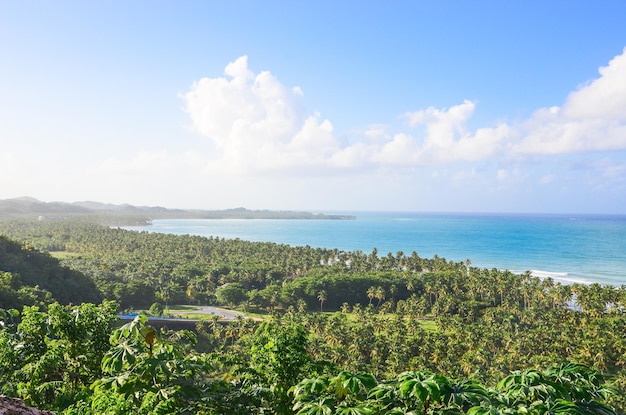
344	332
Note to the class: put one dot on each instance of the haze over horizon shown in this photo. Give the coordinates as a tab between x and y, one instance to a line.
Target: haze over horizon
324	106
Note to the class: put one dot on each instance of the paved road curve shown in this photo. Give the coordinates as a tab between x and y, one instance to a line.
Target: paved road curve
222	312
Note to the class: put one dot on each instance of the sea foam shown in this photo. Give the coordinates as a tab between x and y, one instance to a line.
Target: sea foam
563	277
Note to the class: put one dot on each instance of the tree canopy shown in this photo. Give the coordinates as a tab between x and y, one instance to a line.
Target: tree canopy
346	332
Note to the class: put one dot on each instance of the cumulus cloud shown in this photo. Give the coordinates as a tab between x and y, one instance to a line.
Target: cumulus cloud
603	98
592	118
246	110
256	121
260	125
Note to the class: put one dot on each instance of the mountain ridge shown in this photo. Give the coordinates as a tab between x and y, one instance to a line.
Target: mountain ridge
29	206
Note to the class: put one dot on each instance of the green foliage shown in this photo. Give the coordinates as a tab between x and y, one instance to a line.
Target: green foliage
152	373
134	294
156	309
14	295
279	360
31	277
147	373
564	389
345	286
486	330
50	358
231	294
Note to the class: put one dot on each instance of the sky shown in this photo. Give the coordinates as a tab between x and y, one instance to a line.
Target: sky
352	105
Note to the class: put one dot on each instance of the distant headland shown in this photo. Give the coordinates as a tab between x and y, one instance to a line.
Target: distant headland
125	214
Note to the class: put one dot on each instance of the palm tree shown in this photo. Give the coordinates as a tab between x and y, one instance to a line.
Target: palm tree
345	308
372	260
393	290
371	293
322	296
301	306
380	295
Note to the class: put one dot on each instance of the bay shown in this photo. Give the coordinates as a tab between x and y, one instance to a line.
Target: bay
568	248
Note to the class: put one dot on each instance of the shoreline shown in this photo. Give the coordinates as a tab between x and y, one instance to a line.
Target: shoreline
566	251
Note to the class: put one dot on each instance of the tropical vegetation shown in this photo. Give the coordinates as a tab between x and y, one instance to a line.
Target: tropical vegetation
345	332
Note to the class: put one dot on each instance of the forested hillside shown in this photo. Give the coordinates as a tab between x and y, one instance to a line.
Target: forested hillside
125	214
350	332
29	276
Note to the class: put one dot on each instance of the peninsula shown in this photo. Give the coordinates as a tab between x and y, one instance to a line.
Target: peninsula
125	214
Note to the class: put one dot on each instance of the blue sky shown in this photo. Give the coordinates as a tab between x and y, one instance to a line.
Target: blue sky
484	106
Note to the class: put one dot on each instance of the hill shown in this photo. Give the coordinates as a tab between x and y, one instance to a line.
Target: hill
125	214
29	205
29	277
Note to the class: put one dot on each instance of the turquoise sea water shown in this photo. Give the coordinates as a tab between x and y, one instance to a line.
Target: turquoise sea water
568	248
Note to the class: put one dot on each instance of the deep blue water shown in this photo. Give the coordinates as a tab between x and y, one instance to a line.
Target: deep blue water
588	248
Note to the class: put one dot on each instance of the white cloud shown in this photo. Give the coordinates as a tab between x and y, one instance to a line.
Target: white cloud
463	175
377	133
260	126
356	155
259	129
603	98
592	118
256	121
401	150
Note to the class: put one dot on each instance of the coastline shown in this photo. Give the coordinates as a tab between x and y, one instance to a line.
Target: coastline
568	251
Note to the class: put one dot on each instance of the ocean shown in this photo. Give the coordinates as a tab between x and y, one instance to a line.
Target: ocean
568	248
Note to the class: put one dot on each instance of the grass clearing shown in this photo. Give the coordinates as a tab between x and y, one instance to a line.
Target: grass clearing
257	316
429	325
181	308
63	254
195	316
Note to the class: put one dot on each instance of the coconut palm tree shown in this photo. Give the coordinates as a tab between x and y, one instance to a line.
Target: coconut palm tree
380	295
321	297
371	293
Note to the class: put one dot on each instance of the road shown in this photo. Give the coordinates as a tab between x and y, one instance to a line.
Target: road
217	311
